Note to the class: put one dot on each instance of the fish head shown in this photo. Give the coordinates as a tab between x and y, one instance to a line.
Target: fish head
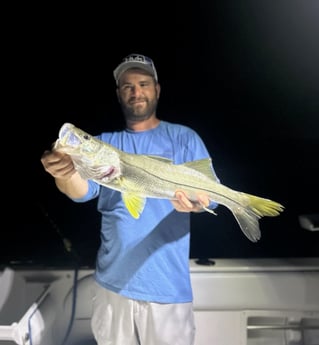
73	140
93	158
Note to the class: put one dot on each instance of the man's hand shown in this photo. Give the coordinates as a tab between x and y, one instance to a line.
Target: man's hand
183	204
58	164
67	179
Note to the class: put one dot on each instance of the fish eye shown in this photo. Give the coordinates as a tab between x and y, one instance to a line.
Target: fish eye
86	137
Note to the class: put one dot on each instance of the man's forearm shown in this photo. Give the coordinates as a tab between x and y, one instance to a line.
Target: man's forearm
74	187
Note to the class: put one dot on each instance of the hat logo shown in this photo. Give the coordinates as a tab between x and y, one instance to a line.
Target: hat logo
135	58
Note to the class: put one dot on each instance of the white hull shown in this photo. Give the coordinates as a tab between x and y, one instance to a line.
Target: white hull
236	301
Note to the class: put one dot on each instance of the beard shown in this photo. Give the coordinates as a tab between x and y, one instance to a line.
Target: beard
139	113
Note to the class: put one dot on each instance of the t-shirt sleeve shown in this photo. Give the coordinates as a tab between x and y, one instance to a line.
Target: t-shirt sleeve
92	193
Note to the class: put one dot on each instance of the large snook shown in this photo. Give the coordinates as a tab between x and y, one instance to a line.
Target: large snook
138	177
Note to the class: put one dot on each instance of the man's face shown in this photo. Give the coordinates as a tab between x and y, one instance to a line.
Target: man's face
138	95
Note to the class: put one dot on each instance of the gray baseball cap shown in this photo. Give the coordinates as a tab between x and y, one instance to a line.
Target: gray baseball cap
135	61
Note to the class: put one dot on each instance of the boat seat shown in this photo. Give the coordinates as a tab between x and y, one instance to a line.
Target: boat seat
12	296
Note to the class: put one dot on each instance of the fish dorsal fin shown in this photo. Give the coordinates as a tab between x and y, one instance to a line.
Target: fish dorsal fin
203	166
159	158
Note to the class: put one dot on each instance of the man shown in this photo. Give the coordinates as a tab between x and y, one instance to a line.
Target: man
142	294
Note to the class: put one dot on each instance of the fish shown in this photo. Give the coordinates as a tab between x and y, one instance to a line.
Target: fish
138	177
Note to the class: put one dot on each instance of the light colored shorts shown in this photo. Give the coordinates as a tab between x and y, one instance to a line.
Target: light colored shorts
117	320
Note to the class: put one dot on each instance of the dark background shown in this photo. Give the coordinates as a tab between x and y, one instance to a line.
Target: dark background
243	74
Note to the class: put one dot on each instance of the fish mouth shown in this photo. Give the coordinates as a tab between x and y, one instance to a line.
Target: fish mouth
67	137
65	129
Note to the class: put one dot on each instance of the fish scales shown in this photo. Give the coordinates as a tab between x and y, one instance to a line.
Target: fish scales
151	180
139	177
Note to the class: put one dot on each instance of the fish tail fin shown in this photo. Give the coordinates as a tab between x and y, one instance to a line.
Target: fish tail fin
264	207
248	217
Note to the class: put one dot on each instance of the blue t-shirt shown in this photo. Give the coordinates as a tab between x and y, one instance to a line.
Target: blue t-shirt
147	258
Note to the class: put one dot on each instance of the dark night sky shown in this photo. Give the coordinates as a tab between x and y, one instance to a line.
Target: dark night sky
244	74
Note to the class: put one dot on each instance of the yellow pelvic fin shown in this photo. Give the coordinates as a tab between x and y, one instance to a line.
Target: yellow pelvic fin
134	204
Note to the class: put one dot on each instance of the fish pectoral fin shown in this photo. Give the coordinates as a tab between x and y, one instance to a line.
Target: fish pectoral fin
134	204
